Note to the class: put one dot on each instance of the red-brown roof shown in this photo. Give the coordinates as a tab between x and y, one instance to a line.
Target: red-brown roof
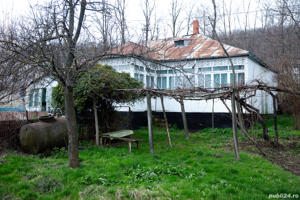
164	49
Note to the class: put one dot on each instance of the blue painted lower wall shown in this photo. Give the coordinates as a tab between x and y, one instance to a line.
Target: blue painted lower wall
12	109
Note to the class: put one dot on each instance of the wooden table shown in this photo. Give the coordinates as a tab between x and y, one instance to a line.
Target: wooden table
119	135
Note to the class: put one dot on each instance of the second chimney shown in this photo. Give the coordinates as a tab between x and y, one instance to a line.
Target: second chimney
195	27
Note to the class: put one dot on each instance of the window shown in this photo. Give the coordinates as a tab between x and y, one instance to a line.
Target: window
217	82
148	81
177	82
220	80
164	82
224	79
179	43
138	68
36	97
220	68
237	67
201	80
31	98
150	70
159	82
239	78
142	77
124	67
205	69
207	80
162	72
188	81
136	75
189	70
171	82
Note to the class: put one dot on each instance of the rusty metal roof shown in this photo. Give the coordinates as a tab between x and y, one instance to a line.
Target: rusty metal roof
199	47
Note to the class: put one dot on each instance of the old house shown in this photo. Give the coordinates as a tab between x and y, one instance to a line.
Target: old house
186	62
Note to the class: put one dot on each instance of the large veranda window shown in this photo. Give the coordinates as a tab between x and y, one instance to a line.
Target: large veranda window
219	76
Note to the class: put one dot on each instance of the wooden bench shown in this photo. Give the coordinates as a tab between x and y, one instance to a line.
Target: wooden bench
119	135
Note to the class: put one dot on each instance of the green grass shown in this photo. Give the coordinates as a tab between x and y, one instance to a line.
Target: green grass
194	169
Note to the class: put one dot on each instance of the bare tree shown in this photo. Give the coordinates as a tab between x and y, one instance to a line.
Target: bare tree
177	8
120	16
103	21
148	9
189	15
50	41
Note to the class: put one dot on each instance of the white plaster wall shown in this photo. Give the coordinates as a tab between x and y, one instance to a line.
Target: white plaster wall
263	101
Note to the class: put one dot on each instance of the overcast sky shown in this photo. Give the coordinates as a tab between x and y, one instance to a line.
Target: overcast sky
12	8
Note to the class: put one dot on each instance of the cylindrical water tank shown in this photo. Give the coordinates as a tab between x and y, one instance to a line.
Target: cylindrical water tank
45	134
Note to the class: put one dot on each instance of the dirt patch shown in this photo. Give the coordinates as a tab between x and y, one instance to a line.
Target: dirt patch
286	154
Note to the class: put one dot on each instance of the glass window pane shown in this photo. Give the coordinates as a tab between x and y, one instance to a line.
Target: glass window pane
224	79
142	77
192	81
162	72
141	69
205	69
189	70
185	82
148	81
36	97
159	82
164	82
124	67
152	82
136	68
241	78
171	82
220	68
231	78
201	80
136	75
237	67
177	82
31	98
207	80
170	71
217	82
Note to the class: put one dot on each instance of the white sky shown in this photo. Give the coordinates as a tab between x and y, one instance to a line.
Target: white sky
11	8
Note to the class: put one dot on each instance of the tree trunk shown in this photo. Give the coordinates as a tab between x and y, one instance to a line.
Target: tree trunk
96	122
72	127
275	118
234	127
186	129
213	119
241	118
150	127
166	120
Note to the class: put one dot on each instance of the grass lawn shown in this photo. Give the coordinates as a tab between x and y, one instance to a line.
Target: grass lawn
196	169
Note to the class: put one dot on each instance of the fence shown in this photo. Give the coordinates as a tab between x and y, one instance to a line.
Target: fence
11	123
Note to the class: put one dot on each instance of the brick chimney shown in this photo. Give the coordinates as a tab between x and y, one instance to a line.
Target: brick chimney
195	27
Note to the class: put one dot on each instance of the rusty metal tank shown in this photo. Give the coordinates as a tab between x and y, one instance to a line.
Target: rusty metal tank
48	133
